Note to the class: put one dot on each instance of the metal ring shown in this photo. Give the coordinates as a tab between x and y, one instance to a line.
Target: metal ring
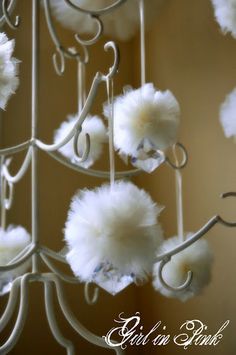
183	163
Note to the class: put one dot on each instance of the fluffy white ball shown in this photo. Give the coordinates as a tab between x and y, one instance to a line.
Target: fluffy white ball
115	225
12	241
196	258
228	115
225	14
8	70
96	129
144	115
121	23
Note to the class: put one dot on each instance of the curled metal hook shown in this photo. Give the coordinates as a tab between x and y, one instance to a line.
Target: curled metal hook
91	300
6	14
220	219
58	60
112	70
96	12
9	200
183	162
6	201
97	35
165	284
62	52
86	151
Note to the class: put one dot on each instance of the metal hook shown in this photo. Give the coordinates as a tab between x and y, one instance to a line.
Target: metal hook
97	35
86	151
87	294
102	11
9	200
12	25
220	219
183	162
6	201
112	70
59	67
166	285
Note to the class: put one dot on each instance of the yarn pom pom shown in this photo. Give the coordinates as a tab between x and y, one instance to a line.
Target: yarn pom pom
8	70
225	14
12	241
228	115
96	129
197	258
144	119
121	23
112	225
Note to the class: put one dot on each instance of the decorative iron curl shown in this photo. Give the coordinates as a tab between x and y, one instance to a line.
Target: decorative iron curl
178	165
7	10
165	257
90	299
95	38
182	287
100	12
61	52
85	154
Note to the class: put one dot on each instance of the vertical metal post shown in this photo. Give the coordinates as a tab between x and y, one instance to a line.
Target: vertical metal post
34	123
142	41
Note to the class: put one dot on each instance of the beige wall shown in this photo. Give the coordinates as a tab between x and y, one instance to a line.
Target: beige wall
188	55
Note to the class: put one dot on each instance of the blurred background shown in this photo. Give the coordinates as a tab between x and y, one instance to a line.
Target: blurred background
187	54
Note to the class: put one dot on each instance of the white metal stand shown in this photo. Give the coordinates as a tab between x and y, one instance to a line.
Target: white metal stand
35	251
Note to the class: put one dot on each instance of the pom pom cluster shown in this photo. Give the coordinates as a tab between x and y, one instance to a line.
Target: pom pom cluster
225	14
113	224
144	115
12	241
8	70
196	258
96	129
121	24
227	115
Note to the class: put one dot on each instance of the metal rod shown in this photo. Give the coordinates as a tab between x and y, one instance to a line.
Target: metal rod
21	318
15	149
76	325
142	41
2	197
34	122
11	304
92	172
21	172
49	307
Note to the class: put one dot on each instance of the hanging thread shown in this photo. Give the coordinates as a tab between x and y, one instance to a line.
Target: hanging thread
110	100
81	85
179	198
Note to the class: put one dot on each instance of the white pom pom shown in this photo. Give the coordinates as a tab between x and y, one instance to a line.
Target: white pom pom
96	129
225	14
121	23
144	115
228	115
12	241
115	225
8	70
196	258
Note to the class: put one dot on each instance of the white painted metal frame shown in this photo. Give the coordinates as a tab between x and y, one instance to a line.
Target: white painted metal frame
35	251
